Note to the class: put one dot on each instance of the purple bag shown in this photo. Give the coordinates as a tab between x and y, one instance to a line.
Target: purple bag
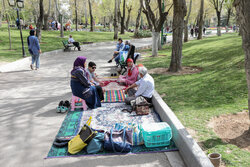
118	141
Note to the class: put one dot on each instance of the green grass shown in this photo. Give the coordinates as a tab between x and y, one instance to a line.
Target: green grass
219	89
50	41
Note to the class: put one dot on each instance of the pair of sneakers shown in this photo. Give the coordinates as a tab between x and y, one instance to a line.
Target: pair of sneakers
61	142
63	106
113	74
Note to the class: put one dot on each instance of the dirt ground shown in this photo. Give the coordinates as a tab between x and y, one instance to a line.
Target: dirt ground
184	71
233	129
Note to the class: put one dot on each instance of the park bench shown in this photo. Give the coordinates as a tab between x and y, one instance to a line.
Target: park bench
67	46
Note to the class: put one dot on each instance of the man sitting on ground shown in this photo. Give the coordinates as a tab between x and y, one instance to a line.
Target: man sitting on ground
145	87
91	75
119	47
76	44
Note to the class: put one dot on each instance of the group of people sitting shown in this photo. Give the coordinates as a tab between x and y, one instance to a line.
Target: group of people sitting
85	84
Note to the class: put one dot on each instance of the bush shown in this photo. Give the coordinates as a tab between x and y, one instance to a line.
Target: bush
143	34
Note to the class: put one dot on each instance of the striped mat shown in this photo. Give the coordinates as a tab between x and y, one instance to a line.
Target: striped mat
111	96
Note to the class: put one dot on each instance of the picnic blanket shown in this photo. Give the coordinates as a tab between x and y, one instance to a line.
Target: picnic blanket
104	118
114	96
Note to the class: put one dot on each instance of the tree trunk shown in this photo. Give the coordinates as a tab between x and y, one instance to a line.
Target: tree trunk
2	12
116	20
123	18
228	16
128	18
61	21
149	22
40	21
218	25
85	13
186	23
46	18
76	15
243	15
180	11
201	20
156	36
159	43
8	20
91	17
138	20
104	22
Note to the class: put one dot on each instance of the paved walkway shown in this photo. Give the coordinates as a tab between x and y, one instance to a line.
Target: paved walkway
28	119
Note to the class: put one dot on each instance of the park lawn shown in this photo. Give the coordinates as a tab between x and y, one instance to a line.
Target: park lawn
50	41
219	89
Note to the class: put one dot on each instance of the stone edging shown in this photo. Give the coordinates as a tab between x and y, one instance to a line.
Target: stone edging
189	150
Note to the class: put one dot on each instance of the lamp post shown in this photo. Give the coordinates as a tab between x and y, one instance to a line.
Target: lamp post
17	4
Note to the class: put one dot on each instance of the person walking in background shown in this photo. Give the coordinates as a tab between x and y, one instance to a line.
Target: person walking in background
192	32
34	49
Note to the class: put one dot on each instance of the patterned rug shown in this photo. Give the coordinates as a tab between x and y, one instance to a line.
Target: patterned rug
111	96
104	118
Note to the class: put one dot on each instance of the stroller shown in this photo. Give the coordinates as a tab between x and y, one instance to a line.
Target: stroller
124	55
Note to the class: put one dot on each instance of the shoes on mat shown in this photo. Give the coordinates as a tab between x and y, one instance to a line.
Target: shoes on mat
58	109
63	106
113	74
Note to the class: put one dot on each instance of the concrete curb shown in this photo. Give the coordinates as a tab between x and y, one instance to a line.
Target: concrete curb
189	150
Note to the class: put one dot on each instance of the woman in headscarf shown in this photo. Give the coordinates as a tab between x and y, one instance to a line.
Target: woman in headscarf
81	87
131	76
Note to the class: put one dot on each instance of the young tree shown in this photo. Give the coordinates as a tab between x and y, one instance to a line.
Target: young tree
243	15
123	18
218	4
91	17
85	13
46	16
138	19
201	21
156	22
40	21
128	18
76	15
186	22
229	7
61	19
2	13
180	11
115	23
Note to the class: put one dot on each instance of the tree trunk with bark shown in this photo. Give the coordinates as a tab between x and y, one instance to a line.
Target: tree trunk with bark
186	22
218	24
104	22
46	18
91	17
8	20
85	13
123	18
116	20
40	21
148	20
201	20
76	15
2	13
243	15
156	37
128	18
228	16
136	33
180	11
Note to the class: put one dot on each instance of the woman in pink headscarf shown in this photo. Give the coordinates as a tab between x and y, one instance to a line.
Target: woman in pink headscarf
131	75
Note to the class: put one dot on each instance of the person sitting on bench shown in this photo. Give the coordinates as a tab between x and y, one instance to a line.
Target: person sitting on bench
119	47
76	44
145	87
